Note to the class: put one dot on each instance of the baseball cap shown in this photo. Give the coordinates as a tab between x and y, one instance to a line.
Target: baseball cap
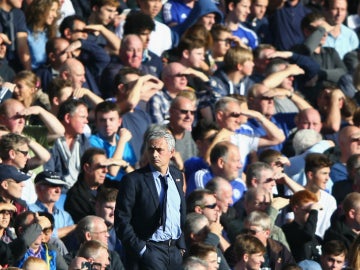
49	177
11	172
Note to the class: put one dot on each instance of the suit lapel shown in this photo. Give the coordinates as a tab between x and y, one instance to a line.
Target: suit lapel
149	181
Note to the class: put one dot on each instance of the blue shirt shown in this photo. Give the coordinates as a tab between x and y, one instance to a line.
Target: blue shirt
172	228
247	36
128	155
61	217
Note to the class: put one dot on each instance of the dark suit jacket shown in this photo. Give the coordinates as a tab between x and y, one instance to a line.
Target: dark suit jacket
137	212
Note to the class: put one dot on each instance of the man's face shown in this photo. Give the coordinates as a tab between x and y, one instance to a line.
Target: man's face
196	57
78	31
78	120
59	56
212	259
258	232
106	14
108	123
13	189
302	211
14	119
332	262
182	114
176	79
132	54
100	232
96	172
159	154
263	104
106	211
210	208
258	8
23	92
145	37
242	10
266	181
232	164
248	67
77	75
261	202
21	156
231	118
48	193
320	177
310	120
103	259
338	11
224	200
207	21
353	142
221	44
150	7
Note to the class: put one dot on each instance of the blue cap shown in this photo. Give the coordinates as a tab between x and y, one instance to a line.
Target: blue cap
11	172
49	177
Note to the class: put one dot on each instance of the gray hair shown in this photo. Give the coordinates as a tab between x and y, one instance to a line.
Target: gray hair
255	170
86	224
155	132
192	223
193	263
304	139
221	104
260	219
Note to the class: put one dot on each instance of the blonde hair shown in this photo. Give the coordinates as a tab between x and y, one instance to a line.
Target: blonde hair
33	263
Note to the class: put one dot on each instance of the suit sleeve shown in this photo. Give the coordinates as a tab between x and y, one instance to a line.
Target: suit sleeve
125	204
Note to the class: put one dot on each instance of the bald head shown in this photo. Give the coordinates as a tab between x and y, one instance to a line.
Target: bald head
349	142
309	119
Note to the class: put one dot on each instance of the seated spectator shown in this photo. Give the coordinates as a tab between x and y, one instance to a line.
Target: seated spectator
222	38
344	228
258	21
202	134
300	233
237	14
93	228
6	211
142	24
182	115
33	263
233	77
342	188
41	18
68	149
249	252
80	199
333	255
225	162
56	55
207	253
27	91
36	248
48	189
341	37
113	139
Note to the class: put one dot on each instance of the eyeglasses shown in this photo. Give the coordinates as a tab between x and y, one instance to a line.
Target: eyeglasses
355	139
266	98
251	231
102	232
186	111
210	206
25	153
269	180
235	115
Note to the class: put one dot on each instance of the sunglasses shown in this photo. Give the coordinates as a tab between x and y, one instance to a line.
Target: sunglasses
186	112
179	75
269	180
266	98
25	153
235	115
210	206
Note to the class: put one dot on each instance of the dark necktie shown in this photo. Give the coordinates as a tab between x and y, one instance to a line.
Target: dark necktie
164	184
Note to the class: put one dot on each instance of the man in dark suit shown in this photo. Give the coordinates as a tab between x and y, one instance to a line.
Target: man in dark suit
150	208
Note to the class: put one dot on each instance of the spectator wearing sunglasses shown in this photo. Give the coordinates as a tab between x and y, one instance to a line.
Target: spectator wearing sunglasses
182	116
231	114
